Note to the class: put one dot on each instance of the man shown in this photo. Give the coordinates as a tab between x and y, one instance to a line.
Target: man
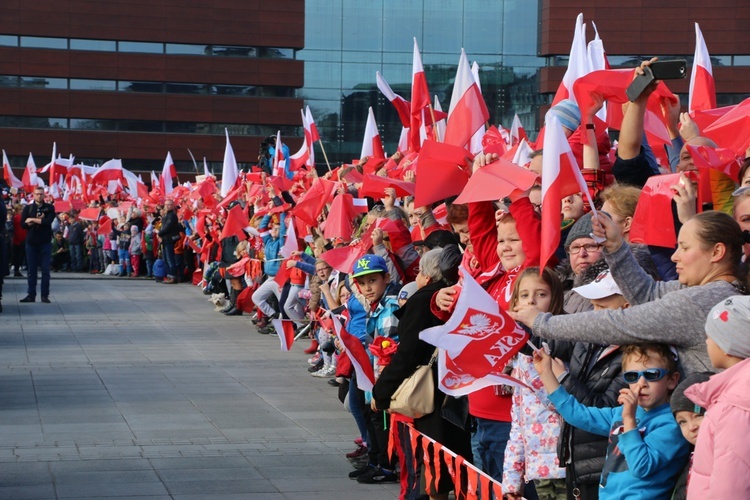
60	253
169	234
75	244
3	252
37	219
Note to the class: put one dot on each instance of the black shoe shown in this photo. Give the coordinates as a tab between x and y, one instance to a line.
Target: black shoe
362	470
334	382
1	307
45	299
317	366
377	475
227	308
28	298
267	330
17	274
233	312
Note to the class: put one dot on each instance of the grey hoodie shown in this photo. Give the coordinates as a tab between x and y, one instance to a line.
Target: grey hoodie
661	311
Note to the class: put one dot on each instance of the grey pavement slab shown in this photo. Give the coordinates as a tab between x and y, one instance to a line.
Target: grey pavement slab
130	389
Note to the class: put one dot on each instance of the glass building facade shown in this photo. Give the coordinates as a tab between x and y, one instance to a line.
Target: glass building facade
347	41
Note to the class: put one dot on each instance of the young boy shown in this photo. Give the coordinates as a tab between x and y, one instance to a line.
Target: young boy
646	449
371	275
722	456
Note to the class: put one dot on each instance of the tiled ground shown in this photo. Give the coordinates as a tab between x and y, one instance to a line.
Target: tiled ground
126	388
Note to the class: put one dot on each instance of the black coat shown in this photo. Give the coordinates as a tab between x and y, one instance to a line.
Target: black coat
38	234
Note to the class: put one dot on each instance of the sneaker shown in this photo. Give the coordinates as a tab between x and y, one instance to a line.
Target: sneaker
323	372
314	360
316	367
362	470
360	451
376	475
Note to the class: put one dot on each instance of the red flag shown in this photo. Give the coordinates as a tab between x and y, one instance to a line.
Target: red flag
235	223
110	171
721	159
300	158
374	185
420	99
372	146
285	331
342	259
495	181
403	108
30	179
244	300
283	274
561	177
89	213
468	111
733	129
168	174
652	222
105	225
311	204
440	172
478	341
341	216
702	88
517	132
310	124
62	206
8	175
358	356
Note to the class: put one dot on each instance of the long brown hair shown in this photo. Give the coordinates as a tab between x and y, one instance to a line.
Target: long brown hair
717	227
552	281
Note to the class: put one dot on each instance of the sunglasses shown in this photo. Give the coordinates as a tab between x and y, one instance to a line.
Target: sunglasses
651	375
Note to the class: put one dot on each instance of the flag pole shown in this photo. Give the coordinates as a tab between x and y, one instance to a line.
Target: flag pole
320	141
434	124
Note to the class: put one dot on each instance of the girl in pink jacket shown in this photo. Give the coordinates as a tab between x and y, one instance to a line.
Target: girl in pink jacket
721	462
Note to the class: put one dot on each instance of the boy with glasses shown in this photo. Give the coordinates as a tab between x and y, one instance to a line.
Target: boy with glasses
646	448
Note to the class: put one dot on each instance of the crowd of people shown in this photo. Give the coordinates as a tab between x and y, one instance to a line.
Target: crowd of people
634	382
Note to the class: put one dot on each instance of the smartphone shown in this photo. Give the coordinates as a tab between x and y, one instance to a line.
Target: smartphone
669	70
639	84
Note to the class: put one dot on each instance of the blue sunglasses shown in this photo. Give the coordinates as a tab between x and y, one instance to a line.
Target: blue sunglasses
651	375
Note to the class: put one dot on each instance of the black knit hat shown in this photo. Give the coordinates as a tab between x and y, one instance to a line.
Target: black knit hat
680	402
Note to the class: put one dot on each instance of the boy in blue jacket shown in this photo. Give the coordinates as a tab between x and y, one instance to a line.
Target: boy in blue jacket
646	449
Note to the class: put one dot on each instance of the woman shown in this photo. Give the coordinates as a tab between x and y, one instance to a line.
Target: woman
412	352
707	260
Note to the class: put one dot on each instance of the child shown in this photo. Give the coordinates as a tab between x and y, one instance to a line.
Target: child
135	250
531	453
646	449
689	417
374	282
722	456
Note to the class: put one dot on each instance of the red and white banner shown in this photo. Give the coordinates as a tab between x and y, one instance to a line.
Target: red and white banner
702	88
476	343
8	175
285	331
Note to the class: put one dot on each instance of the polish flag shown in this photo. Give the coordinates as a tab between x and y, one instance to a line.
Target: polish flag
279	163
154	181
403	108
598	61
372	146
30	179
310	124
311	135
8	175
358	356
475	144
522	156
476	343
420	98
301	157
403	140
230	172
168	174
285	330
438	129
561	177
517	132
110	171
290	243
702	89
468	111
578	63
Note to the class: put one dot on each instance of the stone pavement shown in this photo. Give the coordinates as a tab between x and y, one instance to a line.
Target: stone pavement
128	388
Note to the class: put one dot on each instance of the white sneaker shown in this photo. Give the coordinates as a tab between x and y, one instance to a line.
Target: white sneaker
323	372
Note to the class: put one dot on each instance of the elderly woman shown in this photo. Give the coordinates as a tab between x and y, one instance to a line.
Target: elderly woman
412	352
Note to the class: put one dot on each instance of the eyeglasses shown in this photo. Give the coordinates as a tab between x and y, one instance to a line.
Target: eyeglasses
651	375
589	247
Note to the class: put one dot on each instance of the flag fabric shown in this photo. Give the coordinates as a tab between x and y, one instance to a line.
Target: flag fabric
154	181
440	172
721	159
372	146
290	243
229	172
702	88
279	162
476	343
598	60
311	131
341	216
8	175
109	172
732	129
375	185
285	330
495	181
403	140
438	128
300	158
357	355
235	223
205	169
420	99
475	143
561	177
403	107
168	174
468	111
522	155
244	300
89	214
310	123
578	63
649	225
310	205
517	132
29	178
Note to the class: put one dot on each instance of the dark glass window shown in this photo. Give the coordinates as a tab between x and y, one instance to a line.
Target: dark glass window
39	42
8	41
8	81
275	53
154	87
233	51
147	47
89	124
32	122
86	84
187	88
140	126
187	49
98	45
41	82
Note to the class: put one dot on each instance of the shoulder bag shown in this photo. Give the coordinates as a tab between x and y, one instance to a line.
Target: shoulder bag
415	397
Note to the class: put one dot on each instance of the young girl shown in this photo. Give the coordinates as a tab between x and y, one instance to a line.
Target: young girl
531	453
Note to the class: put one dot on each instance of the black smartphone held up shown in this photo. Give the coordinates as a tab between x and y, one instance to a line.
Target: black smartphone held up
658	70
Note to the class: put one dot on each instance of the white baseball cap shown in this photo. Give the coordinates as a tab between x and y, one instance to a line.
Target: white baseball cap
603	286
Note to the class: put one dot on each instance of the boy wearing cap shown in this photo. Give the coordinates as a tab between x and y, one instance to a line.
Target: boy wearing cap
721	462
370	273
646	450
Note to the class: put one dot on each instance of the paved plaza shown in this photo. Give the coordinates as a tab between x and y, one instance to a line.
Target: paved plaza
127	388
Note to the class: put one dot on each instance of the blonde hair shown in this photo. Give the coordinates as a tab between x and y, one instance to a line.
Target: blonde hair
622	199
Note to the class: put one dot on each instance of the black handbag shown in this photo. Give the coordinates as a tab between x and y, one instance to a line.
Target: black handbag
456	411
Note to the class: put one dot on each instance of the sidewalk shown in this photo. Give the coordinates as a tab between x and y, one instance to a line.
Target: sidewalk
128	388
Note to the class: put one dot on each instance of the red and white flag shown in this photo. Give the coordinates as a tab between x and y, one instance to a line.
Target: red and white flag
522	155
110	171
517	132
475	144
598	61
290	243
476	343
168	174
420	99
154	181
403	107
702	88
285	330
279	162
310	124
372	146
8	175
358	356
468	111
229	172
578	63
561	177
403	140
301	157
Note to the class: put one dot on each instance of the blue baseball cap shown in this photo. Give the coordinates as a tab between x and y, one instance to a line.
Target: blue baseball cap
369	264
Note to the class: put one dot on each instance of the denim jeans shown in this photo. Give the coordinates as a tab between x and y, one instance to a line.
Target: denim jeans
357	408
76	257
124	261
170	261
38	256
493	437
